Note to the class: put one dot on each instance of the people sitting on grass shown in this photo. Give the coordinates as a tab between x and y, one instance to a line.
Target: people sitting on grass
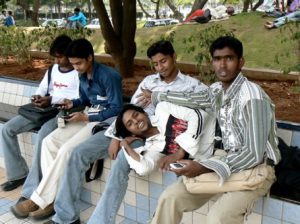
210	13
292	15
174	131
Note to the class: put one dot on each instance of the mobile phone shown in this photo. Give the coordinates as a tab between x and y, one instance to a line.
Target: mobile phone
66	116
177	165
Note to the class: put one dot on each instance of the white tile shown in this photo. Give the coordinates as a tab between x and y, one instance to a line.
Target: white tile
6	217
131	183
2	86
142	187
130	198
95	197
18	101
20	90
25	100
156	177
253	218
14	88
104	175
5	98
1	96
7	88
107	163
96	186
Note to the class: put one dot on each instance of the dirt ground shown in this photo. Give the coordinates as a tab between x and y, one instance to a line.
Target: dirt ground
287	103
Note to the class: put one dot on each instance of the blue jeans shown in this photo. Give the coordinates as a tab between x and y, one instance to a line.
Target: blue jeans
293	16
115	189
67	206
16	167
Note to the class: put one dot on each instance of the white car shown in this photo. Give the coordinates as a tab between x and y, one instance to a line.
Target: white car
95	24
54	22
160	22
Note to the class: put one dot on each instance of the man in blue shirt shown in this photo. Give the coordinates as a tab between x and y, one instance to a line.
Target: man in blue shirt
78	20
101	93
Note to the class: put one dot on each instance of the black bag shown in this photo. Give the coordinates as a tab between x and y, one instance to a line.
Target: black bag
95	170
287	172
37	114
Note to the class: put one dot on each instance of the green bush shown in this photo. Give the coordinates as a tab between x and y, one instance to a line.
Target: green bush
17	42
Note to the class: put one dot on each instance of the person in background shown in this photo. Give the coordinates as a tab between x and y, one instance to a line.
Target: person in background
2	17
9	21
293	14
78	20
64	82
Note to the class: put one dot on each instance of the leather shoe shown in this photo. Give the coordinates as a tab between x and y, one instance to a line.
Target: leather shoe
22	209
13	184
42	214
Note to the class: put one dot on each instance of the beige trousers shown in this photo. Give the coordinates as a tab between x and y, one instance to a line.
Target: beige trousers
230	207
56	150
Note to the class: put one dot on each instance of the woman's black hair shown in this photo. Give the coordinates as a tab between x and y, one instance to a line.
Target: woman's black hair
121	130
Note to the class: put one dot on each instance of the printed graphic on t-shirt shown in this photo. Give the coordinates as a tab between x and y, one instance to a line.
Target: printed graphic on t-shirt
174	128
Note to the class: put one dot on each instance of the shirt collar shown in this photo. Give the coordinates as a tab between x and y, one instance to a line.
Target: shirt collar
234	88
179	76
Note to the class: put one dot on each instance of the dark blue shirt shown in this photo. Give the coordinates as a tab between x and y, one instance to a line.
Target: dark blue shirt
103	90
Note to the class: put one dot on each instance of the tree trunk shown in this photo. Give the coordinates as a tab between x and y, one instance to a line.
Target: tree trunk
142	8
177	14
35	13
156	8
198	4
119	36
89	9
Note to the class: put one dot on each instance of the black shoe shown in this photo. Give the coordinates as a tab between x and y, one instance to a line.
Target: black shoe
76	222
11	185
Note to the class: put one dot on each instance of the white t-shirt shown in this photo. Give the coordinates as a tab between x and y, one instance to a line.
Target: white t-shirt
62	85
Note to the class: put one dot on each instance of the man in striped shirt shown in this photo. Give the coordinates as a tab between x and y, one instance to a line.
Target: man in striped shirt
246	116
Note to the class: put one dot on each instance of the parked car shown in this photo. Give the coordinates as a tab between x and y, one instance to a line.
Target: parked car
95	24
54	22
160	22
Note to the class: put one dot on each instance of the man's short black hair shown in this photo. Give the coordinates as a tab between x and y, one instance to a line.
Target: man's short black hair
80	48
121	130
163	46
9	13
60	45
3	11
77	9
227	41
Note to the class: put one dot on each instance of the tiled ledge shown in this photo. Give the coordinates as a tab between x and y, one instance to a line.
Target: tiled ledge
143	192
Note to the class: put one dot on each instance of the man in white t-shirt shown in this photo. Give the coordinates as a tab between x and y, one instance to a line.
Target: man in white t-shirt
64	83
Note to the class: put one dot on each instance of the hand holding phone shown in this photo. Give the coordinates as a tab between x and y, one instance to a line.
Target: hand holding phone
177	165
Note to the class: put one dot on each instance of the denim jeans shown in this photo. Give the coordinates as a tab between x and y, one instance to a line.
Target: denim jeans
67	202
293	16
115	189
16	167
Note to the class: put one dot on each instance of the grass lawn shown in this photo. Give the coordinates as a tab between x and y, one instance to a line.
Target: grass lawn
260	45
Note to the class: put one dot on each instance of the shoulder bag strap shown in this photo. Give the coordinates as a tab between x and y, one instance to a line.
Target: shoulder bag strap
49	78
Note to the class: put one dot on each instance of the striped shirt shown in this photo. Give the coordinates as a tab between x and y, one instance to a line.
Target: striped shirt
246	116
